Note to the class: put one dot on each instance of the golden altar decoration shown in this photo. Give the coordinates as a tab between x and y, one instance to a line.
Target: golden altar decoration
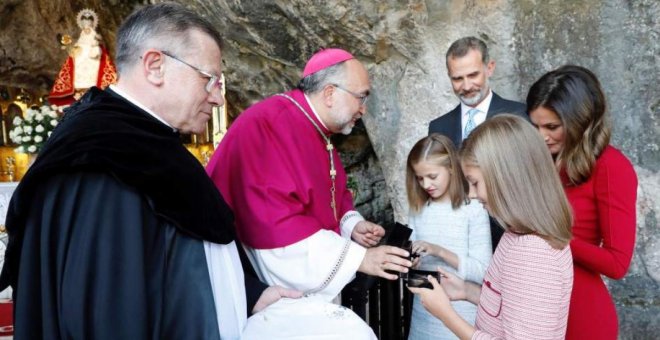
203	145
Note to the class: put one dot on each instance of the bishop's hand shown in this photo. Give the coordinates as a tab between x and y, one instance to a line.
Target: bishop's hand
378	260
367	234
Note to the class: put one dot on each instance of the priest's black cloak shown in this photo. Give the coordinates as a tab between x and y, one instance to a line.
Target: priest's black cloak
106	231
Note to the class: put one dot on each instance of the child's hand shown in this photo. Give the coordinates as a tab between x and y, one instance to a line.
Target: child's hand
453	286
415	262
424	248
434	300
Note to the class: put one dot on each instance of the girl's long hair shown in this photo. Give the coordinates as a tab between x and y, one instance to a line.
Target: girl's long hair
524	192
438	150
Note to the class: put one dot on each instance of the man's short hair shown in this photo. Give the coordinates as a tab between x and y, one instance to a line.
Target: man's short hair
165	25
315	82
462	46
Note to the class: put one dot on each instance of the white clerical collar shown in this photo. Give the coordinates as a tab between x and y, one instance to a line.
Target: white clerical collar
314	111
482	107
137	103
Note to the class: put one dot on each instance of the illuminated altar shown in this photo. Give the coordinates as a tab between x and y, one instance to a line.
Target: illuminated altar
87	64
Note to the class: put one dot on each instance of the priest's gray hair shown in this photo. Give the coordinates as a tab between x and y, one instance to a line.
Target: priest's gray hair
164	26
315	82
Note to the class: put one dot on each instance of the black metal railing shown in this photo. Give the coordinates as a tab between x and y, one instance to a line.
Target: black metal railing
385	305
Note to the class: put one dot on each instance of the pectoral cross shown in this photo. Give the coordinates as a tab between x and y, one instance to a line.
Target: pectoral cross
333	176
329	147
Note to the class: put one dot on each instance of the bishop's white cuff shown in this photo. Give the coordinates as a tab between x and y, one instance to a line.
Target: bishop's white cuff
348	223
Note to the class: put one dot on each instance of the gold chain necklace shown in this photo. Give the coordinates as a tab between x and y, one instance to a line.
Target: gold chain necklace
328	146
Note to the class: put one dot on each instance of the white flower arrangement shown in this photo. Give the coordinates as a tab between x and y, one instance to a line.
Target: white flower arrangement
32	132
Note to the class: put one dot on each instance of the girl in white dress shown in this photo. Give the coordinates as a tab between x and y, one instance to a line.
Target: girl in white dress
449	230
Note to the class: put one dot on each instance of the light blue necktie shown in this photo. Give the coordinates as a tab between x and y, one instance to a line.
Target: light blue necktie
470	125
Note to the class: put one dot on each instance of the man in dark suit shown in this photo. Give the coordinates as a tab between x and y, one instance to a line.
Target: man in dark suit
469	68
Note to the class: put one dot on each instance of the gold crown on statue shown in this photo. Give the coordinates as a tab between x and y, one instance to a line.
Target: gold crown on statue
87	15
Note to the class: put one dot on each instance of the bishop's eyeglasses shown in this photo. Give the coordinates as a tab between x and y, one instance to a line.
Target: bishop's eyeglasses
362	97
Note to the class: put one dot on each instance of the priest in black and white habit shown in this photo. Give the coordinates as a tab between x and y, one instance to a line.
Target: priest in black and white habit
116	232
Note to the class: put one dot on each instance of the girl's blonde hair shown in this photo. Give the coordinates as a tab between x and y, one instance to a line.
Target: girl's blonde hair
437	150
575	95
525	194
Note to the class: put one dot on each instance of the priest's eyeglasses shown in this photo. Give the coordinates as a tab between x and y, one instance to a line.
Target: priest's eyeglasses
214	81
362	97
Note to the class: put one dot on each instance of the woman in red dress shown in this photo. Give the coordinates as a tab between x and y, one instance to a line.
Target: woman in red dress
568	107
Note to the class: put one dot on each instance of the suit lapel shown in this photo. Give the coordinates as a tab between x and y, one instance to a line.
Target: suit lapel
495	106
456	125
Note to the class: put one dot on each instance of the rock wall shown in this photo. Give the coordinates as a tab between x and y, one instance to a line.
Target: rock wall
403	42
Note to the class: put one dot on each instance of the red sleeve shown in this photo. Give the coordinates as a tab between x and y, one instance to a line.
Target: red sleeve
615	191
